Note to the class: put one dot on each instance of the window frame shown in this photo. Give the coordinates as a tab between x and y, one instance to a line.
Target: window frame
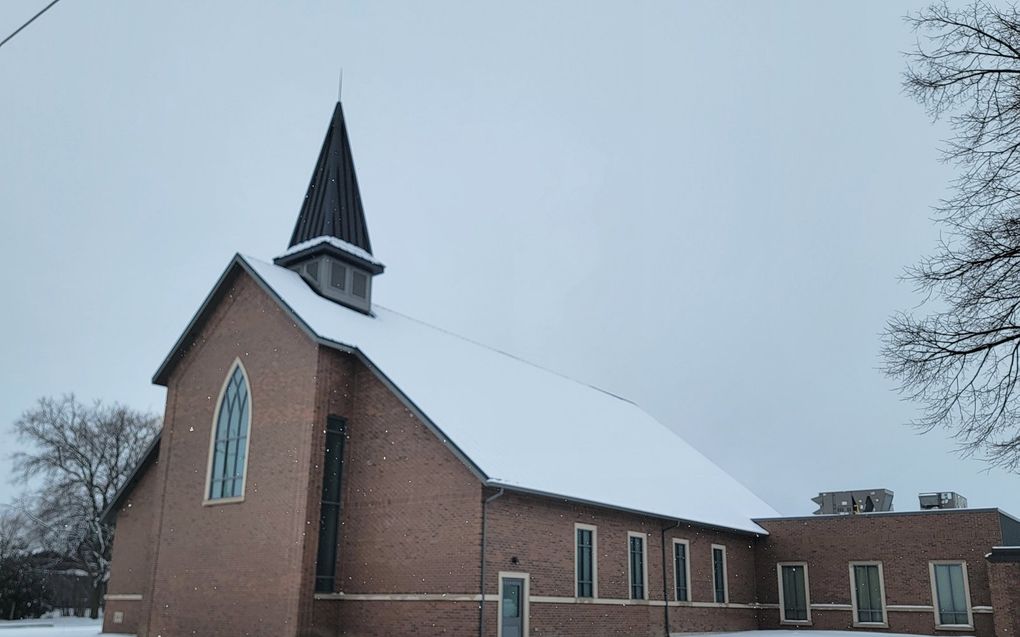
578	526
725	575
644	567
687	569
782	597
207	500
853	595
935	595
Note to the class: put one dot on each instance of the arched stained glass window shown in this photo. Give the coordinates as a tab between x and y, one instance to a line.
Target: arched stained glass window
226	476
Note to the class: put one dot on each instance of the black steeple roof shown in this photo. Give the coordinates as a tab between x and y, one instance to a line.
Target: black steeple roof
332	206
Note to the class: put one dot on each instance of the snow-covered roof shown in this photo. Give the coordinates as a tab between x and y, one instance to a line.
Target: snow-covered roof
339	244
524	427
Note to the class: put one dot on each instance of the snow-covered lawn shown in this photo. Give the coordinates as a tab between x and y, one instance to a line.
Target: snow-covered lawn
52	627
77	627
796	633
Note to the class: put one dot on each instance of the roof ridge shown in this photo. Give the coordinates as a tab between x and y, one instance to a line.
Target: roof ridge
505	353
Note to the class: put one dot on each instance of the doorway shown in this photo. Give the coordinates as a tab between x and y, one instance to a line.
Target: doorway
513	604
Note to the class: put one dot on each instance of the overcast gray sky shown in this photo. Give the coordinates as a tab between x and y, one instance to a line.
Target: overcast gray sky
701	206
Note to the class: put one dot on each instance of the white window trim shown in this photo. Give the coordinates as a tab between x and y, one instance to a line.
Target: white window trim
525	601
644	563
594	559
853	596
206	500
687	567
935	596
725	574
807	595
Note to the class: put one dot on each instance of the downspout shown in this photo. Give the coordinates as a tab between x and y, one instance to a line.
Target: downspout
665	592
481	583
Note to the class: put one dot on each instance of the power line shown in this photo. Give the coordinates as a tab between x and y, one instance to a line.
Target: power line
31	20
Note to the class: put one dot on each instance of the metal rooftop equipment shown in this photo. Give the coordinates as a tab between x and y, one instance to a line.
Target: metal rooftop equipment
850	502
942	500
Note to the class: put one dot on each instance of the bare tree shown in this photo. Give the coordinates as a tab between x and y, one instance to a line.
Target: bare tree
958	353
23	589
81	454
13	534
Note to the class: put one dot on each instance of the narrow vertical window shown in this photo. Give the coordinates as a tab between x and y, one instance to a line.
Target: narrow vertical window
585	559
329	515
952	594
637	566
228	458
719	574
681	573
793	593
868	593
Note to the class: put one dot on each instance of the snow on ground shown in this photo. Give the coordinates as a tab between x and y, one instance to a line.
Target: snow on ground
78	627
52	627
802	632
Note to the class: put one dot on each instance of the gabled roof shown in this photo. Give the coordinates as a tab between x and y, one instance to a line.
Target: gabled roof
517	425
332	205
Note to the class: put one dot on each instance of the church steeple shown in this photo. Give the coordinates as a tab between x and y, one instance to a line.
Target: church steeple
330	245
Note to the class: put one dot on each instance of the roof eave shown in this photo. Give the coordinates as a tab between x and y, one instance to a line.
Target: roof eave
329	249
148	457
162	374
602	505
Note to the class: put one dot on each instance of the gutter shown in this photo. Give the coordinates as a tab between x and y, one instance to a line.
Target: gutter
481	582
665	592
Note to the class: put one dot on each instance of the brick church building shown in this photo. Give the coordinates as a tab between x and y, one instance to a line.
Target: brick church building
329	467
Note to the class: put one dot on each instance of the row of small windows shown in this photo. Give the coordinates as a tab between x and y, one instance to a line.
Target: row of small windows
949	582
637	559
951	595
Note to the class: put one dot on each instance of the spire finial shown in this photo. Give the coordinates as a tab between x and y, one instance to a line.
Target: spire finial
340	86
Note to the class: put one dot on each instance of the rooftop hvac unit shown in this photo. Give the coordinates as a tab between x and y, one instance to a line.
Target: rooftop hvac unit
849	502
942	500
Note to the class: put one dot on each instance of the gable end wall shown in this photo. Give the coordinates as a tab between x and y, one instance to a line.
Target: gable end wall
211	566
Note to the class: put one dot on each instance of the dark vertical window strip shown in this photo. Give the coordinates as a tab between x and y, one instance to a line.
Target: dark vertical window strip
585	563
637	568
329	516
680	575
719	575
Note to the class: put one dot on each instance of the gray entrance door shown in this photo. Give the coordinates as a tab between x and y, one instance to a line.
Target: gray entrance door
513	607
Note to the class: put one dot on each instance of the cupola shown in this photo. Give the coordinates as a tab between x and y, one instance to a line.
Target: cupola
329	246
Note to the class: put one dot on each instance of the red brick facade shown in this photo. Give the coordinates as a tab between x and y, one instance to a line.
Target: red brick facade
1004	578
410	543
131	566
904	544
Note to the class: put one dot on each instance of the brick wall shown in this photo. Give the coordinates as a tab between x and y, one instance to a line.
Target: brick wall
236	568
131	565
1005	582
904	543
539	533
410	510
